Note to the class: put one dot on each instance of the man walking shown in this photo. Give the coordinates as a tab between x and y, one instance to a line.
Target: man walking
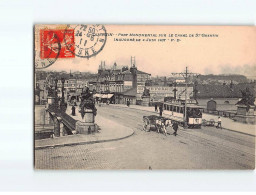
73	110
219	123
175	128
160	110
128	103
156	108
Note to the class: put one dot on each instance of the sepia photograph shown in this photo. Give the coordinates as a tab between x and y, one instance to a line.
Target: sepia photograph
144	97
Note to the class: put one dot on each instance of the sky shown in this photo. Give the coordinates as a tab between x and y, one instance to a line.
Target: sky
232	52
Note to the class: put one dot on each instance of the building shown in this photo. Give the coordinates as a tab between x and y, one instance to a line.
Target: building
73	87
158	93
121	81
222	97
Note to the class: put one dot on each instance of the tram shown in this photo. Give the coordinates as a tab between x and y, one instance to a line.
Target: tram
175	109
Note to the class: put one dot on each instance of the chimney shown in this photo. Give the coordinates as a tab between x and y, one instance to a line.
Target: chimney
133	62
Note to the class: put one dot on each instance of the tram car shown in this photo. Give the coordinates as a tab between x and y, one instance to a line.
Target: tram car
176	111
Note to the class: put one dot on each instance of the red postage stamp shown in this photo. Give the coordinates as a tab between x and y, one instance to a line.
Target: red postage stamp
52	44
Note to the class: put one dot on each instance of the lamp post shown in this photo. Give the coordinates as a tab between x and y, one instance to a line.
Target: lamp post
62	104
56	95
175	91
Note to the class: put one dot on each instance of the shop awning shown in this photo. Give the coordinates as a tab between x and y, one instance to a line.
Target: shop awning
110	96
104	96
97	95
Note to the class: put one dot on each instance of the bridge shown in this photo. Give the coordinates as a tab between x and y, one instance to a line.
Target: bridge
63	124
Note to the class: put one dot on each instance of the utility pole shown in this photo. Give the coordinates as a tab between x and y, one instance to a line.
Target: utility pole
62	106
185	74
56	95
186	88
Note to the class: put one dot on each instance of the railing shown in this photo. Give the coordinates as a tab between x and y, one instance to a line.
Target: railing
229	114
68	121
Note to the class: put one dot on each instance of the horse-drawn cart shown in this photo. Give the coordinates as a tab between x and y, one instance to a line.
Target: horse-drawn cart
158	122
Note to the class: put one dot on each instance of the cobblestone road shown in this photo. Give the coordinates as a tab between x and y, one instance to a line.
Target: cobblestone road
207	148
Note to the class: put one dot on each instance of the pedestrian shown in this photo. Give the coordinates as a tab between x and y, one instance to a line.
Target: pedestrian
128	103
156	108
160	110
175	128
99	102
219	123
73	110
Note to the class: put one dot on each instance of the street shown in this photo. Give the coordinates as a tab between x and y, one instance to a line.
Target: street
206	148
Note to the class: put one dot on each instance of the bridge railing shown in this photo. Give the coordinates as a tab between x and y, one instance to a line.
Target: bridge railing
229	114
69	121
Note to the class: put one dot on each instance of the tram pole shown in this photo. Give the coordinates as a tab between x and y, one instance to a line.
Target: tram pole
186	74
186	88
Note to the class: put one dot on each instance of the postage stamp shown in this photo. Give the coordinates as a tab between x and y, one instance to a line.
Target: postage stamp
52	44
46	53
49	44
89	40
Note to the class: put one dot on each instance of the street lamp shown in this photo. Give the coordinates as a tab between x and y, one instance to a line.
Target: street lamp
62	104
56	95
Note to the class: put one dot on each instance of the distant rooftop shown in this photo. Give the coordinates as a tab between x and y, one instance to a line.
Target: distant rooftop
223	91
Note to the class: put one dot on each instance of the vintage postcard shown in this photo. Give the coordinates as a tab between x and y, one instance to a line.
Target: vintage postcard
144	97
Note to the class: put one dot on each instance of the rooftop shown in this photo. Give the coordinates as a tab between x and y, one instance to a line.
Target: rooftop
223	91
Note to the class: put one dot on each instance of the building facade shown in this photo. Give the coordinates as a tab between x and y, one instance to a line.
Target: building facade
122	82
72	87
158	93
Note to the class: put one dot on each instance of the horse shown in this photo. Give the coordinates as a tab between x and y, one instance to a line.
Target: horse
159	122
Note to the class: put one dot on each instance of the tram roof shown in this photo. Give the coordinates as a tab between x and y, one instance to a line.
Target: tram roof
182	105
193	106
